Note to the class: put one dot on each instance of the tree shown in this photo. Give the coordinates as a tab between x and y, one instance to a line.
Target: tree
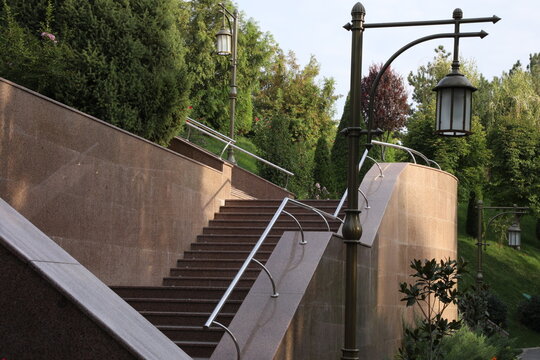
211	73
465	157
390	110
123	62
391	107
323	172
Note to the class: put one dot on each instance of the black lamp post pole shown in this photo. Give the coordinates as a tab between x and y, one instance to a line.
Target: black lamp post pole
233	92
352	229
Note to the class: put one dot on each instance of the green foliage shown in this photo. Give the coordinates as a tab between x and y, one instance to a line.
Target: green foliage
529	313
465	157
277	145
472	215
211	73
108	58
434	289
323	172
471	345
340	153
473	308
497	310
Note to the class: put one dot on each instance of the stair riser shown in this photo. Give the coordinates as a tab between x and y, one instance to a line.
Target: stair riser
196	351
258	203
269	209
257	231
193	334
230	247
266	217
186	320
145	305
318	223
180	293
271	239
212	272
231	264
216	255
205	282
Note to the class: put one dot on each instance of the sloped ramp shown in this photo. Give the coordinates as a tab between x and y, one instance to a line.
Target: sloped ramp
51	307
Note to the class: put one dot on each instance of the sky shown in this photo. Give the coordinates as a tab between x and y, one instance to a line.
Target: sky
315	27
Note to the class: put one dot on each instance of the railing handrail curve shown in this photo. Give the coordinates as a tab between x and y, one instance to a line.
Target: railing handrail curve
231	142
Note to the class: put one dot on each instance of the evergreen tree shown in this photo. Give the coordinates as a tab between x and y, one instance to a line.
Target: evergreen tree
323	172
122	62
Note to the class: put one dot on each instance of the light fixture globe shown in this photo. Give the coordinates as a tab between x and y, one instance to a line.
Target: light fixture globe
454	105
223	42
514	236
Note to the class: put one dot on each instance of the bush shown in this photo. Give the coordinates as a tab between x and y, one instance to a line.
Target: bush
471	345
496	310
529	313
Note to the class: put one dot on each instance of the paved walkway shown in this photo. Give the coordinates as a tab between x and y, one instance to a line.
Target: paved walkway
530	354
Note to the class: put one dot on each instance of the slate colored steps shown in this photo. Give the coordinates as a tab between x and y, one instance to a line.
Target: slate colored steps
181	306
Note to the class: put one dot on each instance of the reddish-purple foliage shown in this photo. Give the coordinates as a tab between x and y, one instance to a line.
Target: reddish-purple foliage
391	107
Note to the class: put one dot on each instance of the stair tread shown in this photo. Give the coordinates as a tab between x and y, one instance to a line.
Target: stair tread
180	313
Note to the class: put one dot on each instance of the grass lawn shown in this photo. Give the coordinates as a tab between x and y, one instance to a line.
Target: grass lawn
508	272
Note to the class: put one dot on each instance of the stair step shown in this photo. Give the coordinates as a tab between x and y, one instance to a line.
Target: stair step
224	254
213	272
197	349
205	263
232	246
181	305
266	209
277	202
206	281
184	318
265	216
258	230
191	333
178	292
287	222
270	239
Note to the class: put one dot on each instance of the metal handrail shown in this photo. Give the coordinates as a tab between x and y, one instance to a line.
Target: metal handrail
365	155
251	257
231	143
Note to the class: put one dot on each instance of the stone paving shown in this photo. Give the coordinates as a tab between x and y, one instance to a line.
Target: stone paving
530	354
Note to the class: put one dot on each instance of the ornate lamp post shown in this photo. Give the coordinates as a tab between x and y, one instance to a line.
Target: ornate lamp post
451	91
514	231
226	43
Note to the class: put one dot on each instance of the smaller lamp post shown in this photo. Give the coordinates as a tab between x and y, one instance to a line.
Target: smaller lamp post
226	44
514	231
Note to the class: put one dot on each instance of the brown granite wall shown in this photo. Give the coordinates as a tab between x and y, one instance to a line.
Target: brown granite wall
124	207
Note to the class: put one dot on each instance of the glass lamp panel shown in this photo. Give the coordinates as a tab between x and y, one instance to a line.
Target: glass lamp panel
458	112
468	109
445	109
224	44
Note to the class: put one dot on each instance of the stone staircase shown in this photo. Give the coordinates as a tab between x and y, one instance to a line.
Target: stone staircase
193	288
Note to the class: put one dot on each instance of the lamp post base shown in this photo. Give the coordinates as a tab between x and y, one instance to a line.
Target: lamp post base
350	354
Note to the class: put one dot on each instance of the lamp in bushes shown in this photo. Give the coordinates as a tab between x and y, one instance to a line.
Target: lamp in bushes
514	236
514	231
226	45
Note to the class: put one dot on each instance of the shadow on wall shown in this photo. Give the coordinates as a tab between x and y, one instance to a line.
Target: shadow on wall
123	206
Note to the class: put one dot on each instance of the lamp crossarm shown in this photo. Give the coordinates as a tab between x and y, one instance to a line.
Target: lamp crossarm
493	19
480	34
224	9
501	214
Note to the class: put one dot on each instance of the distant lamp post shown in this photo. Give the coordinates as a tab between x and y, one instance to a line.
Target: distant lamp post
226	44
514	235
453	90
514	231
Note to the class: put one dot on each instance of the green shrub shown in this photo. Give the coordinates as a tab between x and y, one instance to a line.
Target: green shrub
496	310
466	344
529	313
